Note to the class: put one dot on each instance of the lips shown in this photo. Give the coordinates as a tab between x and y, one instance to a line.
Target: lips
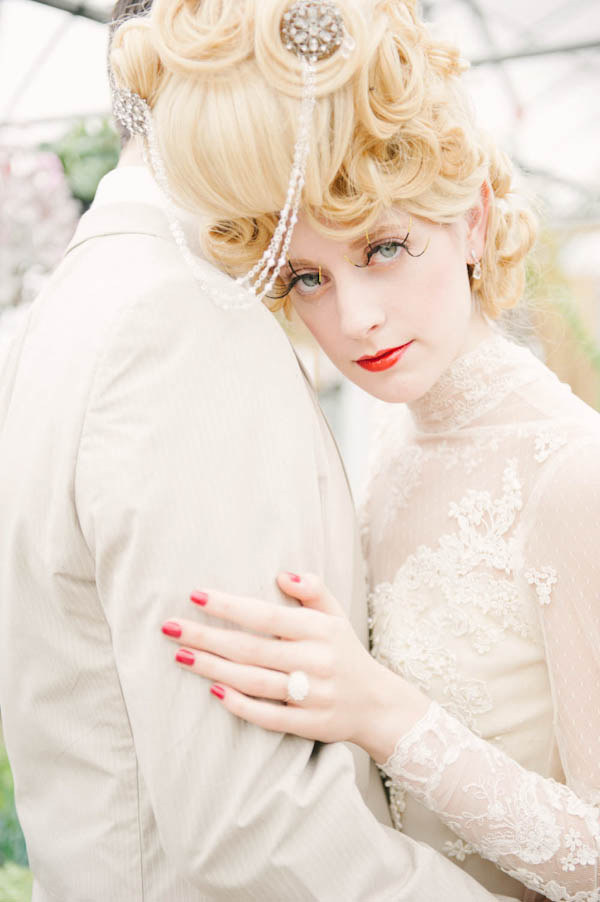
384	359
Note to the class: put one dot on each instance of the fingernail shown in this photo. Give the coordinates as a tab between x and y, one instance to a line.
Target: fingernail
185	657
170	628
218	691
199	598
294	577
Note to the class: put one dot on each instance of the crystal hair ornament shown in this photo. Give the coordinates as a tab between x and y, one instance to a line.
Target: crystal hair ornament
313	31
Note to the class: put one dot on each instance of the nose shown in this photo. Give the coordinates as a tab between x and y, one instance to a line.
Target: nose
360	310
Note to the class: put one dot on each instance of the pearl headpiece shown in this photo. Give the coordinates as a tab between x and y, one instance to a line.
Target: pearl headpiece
312	30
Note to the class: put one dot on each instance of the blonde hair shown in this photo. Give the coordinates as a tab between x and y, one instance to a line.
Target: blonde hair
392	129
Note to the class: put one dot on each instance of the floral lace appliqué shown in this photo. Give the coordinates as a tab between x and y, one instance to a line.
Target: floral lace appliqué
512	816
458	850
543	580
579	853
406	465
463	588
546	443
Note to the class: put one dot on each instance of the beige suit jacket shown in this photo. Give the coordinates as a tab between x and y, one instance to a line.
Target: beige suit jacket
151	444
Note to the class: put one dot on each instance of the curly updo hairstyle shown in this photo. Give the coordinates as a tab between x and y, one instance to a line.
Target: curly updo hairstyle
392	128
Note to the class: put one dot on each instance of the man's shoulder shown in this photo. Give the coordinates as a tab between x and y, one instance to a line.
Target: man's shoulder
110	271
123	255
111	279
122	303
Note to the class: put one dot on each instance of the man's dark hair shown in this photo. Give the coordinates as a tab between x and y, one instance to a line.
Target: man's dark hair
122	10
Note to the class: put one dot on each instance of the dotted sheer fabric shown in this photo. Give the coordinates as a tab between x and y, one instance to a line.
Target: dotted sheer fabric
482	532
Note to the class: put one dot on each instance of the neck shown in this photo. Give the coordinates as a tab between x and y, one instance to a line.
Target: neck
480	329
132	153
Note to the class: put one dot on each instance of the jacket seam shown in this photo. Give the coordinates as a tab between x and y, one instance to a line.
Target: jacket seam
102	357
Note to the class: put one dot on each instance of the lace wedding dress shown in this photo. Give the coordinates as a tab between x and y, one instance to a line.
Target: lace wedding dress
483	541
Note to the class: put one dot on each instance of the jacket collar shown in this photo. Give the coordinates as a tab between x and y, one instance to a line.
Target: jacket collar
127	218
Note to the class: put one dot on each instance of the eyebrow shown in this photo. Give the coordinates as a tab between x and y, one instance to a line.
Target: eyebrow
298	263
358	242
377	233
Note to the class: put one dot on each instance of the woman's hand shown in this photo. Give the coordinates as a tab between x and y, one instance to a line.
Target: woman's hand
349	696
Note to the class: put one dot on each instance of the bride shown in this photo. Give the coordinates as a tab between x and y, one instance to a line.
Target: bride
482	513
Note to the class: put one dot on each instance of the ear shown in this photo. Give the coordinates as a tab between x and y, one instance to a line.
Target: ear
477	220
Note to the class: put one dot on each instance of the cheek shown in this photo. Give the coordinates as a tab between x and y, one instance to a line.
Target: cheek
322	324
445	298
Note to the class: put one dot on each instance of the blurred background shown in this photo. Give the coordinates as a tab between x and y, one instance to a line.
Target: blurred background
535	82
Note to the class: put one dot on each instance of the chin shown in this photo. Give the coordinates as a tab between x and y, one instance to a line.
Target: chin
401	388
390	393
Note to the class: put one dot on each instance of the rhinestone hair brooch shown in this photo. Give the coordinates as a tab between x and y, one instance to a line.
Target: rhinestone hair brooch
313	31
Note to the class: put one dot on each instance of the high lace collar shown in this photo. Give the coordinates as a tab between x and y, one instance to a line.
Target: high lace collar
474	384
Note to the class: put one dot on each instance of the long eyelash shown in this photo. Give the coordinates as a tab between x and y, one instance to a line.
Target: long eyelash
422	252
374	247
279	293
283	292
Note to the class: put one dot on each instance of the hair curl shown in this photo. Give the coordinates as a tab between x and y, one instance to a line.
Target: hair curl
392	128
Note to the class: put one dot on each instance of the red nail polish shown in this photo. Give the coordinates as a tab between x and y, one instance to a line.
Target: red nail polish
185	657
294	577
218	691
170	628
199	598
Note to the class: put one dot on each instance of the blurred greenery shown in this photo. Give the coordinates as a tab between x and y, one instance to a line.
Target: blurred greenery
12	844
15	878
15	883
585	340
87	151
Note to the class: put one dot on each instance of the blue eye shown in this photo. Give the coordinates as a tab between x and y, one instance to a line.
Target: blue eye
310	279
306	282
388	250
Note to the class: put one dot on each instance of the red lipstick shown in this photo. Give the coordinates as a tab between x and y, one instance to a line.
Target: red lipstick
384	359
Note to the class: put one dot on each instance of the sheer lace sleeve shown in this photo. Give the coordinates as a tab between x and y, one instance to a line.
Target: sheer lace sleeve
535	829
563	558
543	833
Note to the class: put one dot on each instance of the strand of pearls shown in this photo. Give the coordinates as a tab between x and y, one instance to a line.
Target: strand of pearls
236	296
275	256
246	290
134	113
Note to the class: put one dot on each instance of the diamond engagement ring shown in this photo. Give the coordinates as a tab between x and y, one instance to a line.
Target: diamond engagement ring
297	686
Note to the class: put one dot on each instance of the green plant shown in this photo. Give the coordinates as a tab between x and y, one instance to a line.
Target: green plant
15	883
12	843
88	151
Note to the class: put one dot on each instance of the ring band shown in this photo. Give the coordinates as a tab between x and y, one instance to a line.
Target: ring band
297	686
